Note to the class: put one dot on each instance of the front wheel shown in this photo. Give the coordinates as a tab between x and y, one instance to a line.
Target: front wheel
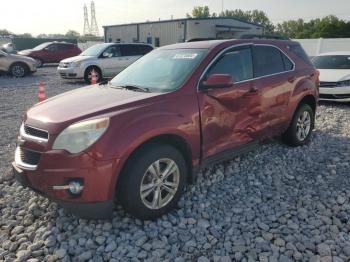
301	127
19	70
152	181
39	62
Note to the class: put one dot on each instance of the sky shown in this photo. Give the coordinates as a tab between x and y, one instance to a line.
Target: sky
48	16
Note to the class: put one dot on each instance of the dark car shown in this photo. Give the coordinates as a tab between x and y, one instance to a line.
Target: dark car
141	137
51	52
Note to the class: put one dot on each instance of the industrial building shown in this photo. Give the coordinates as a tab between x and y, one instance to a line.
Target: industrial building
165	32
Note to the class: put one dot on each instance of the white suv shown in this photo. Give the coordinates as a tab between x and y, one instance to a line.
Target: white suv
106	59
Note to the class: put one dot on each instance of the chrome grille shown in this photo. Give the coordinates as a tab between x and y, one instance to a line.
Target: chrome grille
35	132
328	84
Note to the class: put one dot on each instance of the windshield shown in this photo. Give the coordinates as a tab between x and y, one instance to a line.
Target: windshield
95	50
161	70
332	62
40	47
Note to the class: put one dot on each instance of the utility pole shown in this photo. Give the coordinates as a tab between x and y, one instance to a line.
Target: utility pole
222	6
87	30
94	27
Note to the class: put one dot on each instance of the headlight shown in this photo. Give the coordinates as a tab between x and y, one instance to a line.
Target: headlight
79	136
344	83
75	64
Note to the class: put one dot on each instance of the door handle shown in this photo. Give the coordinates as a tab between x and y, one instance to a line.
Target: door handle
252	91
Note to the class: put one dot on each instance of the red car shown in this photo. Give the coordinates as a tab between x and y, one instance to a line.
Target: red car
141	137
51	52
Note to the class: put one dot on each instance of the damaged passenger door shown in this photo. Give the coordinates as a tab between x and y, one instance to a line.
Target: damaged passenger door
229	101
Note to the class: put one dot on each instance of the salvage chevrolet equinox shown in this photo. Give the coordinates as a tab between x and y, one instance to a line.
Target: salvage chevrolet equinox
140	138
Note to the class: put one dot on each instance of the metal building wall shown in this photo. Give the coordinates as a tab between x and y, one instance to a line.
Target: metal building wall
168	32
126	33
206	28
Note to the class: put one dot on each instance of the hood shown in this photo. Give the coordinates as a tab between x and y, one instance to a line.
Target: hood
22	58
77	59
25	52
334	75
81	104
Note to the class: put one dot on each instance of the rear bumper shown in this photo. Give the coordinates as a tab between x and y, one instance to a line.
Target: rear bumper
91	210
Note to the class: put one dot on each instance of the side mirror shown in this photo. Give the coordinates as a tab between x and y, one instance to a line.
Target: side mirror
105	55
218	81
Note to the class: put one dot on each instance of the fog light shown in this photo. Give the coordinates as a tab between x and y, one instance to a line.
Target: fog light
74	187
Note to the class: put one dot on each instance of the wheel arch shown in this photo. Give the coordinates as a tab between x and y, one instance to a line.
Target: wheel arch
176	141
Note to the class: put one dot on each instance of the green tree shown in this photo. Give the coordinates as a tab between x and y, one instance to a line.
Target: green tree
5	32
327	27
25	35
71	34
200	12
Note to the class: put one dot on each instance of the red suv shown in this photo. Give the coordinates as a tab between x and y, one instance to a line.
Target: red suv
141	137
51	52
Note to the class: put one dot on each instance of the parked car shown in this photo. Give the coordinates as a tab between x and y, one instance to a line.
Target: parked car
16	65
334	76
9	48
141	137
51	52
106	59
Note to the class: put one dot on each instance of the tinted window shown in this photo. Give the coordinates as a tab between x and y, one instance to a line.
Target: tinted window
64	47
299	51
332	62
267	61
145	49
112	51
288	65
52	47
237	63
129	50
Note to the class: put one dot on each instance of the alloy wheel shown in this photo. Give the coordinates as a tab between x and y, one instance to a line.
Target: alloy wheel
303	125
160	183
18	71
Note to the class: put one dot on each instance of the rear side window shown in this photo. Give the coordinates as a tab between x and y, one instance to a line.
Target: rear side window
64	47
145	49
300	52
268	60
129	50
237	63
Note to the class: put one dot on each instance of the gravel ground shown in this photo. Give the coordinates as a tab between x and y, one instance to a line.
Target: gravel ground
274	204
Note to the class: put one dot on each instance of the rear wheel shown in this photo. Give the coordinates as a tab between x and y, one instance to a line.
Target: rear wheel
301	127
19	70
88	74
152	181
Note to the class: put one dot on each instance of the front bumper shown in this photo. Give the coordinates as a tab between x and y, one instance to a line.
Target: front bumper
57	168
340	94
70	72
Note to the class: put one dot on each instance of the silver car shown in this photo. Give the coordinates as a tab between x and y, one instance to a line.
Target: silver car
106	59
16	65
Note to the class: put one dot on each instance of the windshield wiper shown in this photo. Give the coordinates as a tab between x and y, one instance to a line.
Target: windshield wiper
135	87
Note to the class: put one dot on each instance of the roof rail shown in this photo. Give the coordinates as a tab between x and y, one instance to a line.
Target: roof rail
276	37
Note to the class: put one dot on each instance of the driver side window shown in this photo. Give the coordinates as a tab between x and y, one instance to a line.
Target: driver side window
52	48
236	62
112	51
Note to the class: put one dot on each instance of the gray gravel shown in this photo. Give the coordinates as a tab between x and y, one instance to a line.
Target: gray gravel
274	204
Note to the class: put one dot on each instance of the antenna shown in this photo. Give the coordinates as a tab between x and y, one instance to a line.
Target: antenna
86	22
94	28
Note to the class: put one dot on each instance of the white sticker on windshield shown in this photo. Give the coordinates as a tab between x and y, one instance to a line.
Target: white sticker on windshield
185	56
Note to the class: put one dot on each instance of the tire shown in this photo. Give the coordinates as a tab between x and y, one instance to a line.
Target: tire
87	74
39	62
19	70
300	129
138	172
